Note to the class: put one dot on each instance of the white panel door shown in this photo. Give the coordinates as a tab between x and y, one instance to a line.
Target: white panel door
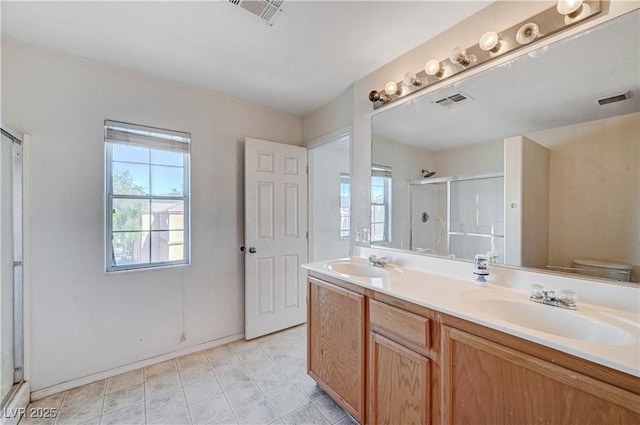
275	199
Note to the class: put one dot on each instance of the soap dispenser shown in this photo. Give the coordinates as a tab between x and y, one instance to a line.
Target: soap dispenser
480	269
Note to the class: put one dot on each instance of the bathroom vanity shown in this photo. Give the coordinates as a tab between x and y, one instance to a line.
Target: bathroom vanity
416	341
399	345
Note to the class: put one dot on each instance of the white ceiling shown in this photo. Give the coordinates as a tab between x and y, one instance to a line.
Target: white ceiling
559	87
313	52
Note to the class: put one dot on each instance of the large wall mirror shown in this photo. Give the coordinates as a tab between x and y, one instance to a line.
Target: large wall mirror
535	162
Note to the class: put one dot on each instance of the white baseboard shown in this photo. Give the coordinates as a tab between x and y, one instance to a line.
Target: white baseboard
64	386
20	400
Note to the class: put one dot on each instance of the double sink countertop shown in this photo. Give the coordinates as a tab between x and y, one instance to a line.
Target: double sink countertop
604	335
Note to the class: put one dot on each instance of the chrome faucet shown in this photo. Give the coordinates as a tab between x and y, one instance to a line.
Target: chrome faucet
378	261
566	299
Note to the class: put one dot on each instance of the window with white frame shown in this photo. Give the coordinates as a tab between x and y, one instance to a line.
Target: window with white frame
345	206
380	204
147	196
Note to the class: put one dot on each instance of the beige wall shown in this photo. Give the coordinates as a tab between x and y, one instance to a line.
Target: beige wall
594	195
84	321
481	158
335	115
526	203
536	184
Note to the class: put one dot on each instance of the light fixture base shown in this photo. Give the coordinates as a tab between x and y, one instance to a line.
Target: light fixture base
531	30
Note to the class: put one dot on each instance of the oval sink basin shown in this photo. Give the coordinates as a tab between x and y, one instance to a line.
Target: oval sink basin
554	321
356	269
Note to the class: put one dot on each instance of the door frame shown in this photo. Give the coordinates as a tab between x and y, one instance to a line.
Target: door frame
17	212
333	136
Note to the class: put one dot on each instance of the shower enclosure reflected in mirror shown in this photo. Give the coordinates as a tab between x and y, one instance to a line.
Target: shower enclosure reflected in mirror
558	132
458	216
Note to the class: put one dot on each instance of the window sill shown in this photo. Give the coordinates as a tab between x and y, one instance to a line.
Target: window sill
124	269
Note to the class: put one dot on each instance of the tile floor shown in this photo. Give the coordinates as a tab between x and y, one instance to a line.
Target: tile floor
263	381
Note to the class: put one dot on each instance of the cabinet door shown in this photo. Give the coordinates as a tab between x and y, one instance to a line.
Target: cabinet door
399	385
336	344
486	383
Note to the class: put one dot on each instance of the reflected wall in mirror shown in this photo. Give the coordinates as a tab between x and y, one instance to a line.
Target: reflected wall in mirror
529	166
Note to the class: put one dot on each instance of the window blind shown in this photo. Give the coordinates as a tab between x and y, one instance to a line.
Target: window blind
380	171
137	135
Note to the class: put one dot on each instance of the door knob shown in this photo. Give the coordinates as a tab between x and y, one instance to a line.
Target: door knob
252	249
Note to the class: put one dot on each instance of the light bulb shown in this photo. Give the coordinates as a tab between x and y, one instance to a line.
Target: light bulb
573	10
391	88
432	67
459	55
376	96
411	79
569	7
527	33
490	42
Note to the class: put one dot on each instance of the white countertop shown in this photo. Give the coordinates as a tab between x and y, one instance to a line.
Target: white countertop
459	298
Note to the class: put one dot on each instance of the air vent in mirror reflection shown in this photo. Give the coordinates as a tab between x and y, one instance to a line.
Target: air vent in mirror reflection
450	100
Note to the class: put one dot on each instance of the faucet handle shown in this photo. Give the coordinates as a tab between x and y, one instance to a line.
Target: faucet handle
378	261
537	291
566	298
569	297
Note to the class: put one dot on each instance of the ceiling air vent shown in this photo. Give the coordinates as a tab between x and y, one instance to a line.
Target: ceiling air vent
450	100
613	99
266	10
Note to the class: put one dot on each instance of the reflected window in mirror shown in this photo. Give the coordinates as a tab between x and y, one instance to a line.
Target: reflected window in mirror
345	205
380	204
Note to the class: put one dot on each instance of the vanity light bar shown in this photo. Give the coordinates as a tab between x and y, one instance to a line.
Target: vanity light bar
491	45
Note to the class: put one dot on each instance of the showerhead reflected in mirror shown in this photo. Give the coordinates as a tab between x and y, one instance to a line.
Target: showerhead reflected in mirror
565	167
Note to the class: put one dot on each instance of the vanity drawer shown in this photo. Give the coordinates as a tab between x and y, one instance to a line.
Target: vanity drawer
408	326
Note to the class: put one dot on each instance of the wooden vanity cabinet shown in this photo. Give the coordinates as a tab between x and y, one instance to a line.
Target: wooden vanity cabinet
399	377
484	382
414	365
336	344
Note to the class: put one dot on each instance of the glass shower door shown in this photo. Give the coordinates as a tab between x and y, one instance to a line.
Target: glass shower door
476	210
10	265
429	218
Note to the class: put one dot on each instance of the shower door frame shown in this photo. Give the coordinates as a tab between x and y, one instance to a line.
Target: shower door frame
443	180
412	183
18	270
